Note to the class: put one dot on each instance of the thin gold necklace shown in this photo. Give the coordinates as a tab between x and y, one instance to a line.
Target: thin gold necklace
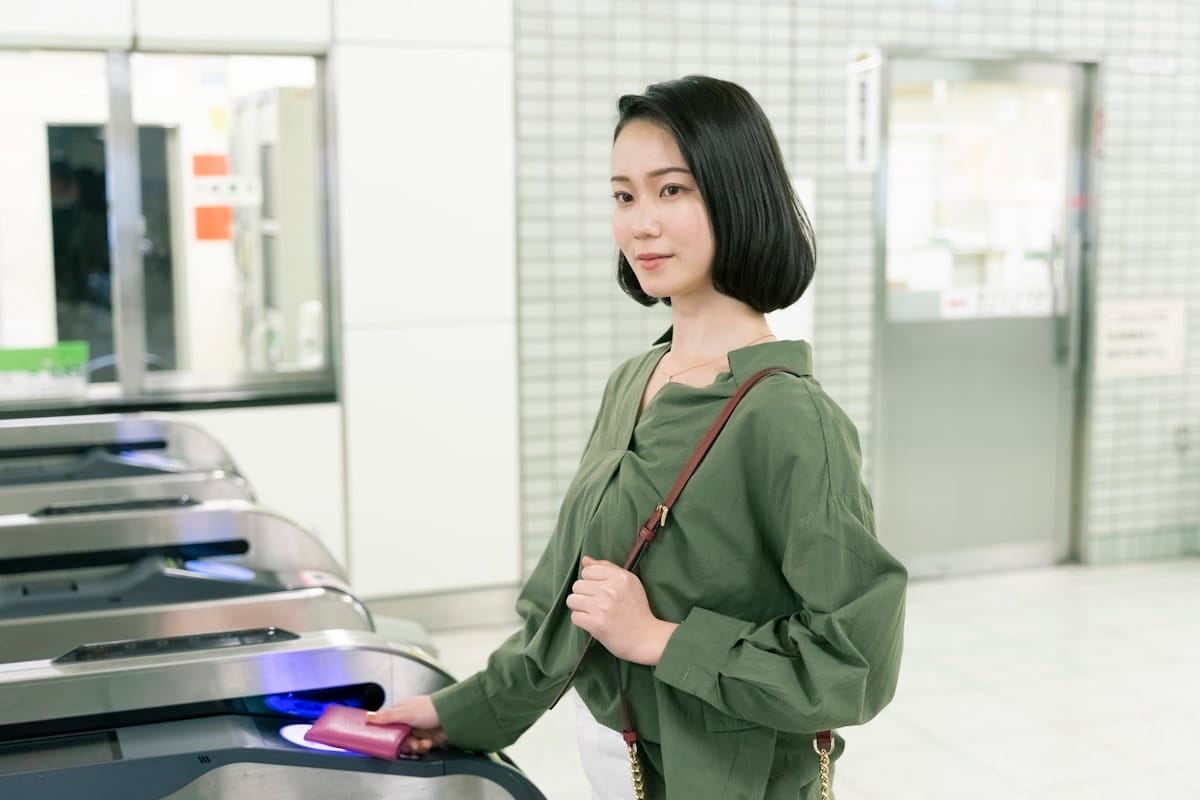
671	375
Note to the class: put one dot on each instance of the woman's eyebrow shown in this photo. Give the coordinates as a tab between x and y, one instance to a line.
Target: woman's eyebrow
652	174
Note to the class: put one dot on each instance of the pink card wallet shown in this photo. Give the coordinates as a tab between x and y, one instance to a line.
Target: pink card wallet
347	728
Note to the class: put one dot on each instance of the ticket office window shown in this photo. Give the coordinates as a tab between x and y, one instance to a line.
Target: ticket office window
231	291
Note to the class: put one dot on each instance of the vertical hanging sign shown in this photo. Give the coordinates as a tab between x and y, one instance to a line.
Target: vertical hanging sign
862	109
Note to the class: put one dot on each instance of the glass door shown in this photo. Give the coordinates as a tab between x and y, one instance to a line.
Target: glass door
984	174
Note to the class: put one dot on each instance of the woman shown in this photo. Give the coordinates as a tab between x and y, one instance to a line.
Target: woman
765	610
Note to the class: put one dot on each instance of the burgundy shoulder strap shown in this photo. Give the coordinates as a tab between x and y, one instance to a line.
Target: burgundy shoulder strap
707	442
659	518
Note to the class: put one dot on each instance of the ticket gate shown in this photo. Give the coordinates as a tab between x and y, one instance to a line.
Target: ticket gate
298	609
223	715
52	462
168	569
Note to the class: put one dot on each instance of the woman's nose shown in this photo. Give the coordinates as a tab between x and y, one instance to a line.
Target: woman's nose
645	221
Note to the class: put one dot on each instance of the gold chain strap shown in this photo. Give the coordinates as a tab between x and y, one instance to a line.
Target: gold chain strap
639	790
825	782
635	767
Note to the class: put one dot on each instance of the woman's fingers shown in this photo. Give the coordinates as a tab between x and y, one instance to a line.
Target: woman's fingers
417	746
587	587
416	711
580	602
389	716
597	569
422	741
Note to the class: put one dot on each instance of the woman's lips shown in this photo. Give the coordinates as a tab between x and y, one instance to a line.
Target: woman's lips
651	260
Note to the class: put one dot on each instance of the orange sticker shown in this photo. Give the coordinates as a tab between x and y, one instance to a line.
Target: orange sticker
214	223
210	164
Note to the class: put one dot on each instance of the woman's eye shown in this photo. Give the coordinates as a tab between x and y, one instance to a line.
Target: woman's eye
672	189
622	197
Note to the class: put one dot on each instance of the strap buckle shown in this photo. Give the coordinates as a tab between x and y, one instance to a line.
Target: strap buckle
662	522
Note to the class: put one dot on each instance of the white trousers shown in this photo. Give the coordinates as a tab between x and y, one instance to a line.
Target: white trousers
604	755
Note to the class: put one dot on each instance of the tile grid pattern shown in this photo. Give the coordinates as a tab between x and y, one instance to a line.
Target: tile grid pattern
575	57
1144	468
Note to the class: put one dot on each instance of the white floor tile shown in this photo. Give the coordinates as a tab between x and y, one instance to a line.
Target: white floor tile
1043	757
923	772
997	661
1167	686
1150	787
1099	652
927	636
1155	741
1188	777
931	675
1067	700
846	789
948	716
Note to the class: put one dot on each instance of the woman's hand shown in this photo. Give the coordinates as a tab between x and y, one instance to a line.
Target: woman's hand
427	731
610	603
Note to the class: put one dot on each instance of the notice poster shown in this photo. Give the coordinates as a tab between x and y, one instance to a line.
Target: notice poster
1140	338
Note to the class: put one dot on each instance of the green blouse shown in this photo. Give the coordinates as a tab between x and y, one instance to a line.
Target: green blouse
791	612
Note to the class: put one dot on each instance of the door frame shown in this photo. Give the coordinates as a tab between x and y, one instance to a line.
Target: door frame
1083	181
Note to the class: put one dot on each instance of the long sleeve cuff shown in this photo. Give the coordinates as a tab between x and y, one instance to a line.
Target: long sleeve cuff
697	651
467	715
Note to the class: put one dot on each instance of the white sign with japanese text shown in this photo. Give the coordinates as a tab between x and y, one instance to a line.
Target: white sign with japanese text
1140	338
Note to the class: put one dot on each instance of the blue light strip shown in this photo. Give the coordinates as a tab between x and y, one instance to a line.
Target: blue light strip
295	734
218	569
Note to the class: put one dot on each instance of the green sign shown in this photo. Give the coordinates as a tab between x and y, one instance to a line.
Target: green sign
65	358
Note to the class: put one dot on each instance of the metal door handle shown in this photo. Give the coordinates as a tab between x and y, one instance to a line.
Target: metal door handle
1058	288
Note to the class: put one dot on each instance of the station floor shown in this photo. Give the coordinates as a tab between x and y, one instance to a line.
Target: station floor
1064	683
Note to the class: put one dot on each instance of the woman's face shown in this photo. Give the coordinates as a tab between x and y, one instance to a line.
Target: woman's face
659	219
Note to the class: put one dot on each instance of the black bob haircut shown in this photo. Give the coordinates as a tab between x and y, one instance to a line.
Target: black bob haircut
764	249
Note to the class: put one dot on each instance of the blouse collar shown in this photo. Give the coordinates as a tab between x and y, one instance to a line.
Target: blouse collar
791	354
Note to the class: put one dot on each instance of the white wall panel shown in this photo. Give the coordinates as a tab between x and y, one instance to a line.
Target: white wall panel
258	26
420	21
427	190
293	457
431	444
66	23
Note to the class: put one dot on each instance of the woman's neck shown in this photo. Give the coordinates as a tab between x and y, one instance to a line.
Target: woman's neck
713	325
